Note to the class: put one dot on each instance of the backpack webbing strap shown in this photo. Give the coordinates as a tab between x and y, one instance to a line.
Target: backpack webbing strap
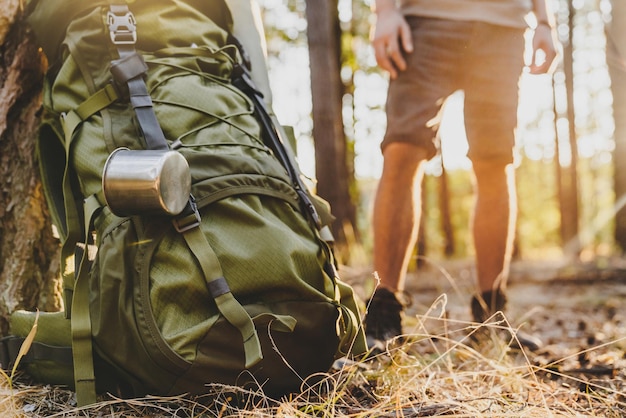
130	69
82	350
352	338
69	123
95	103
82	345
77	308
226	303
73	230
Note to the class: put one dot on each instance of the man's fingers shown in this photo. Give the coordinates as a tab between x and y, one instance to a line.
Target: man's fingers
383	59
542	61
405	38
396	57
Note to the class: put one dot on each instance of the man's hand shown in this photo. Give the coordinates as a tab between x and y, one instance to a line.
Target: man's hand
390	38
544	51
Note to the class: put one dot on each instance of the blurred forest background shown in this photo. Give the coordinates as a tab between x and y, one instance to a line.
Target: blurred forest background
566	168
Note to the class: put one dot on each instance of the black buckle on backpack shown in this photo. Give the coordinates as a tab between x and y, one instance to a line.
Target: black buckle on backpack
122	27
189	218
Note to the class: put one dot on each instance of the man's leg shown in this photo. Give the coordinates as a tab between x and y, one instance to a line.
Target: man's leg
494	222
397	210
494	228
490	111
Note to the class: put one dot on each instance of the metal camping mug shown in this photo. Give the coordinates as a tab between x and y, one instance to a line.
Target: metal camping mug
141	182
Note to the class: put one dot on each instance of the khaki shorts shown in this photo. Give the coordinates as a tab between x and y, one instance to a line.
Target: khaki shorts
483	60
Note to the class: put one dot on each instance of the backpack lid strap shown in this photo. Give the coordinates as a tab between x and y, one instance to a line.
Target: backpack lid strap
130	69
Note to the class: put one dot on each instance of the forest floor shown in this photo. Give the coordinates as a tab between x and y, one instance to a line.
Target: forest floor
578	310
562	303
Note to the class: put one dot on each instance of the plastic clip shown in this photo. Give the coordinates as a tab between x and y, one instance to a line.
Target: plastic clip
122	28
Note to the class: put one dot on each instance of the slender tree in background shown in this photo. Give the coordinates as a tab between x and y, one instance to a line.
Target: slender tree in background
333	179
28	251
568	175
445	213
616	60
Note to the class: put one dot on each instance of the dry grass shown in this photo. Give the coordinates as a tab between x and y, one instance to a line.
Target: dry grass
437	370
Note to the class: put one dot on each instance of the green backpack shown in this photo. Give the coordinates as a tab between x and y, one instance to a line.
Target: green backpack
232	283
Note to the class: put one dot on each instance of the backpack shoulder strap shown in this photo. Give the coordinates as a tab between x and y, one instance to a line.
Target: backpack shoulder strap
56	177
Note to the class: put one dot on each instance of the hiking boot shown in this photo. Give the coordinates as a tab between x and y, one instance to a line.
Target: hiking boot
486	305
383	320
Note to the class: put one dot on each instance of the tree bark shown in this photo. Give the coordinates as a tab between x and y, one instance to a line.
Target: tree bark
446	213
568	175
28	251
616	60
332	175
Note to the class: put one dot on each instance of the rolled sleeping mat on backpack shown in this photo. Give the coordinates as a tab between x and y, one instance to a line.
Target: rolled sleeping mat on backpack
49	358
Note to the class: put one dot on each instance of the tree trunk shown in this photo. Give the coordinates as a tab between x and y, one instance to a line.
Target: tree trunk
28	251
422	247
324	34
567	175
616	59
446	217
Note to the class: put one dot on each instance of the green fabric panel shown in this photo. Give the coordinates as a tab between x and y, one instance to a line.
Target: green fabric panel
280	262
52	327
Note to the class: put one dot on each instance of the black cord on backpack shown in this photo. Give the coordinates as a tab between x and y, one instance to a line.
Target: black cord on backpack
242	80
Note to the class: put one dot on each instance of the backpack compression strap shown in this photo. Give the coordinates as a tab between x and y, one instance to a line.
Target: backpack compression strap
228	306
82	345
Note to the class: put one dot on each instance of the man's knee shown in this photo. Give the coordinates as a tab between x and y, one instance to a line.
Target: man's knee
492	167
494	175
404	154
402	163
